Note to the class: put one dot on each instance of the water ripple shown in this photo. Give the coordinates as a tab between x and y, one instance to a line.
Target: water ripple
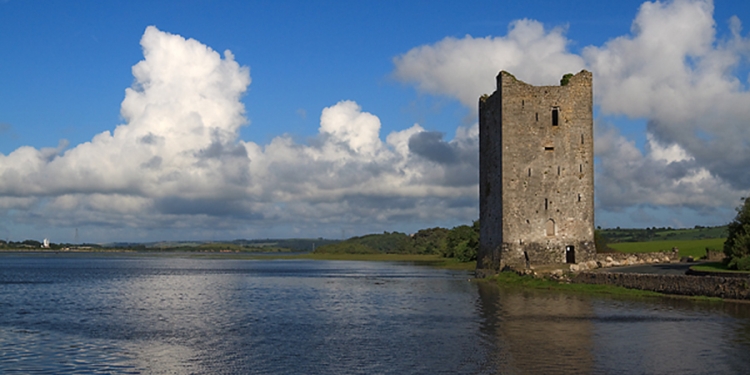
79	315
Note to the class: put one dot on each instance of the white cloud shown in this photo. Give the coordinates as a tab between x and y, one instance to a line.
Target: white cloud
674	72
466	68
177	161
671	70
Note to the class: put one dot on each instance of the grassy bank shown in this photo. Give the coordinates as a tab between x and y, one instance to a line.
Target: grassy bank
715	267
427	260
694	248
513	280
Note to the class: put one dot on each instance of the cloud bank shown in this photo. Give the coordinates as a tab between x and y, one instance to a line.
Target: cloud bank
178	163
178	166
671	70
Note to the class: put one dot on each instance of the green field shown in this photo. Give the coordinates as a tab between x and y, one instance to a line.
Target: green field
694	248
715	267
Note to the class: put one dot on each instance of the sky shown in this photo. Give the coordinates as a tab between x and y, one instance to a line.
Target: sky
216	120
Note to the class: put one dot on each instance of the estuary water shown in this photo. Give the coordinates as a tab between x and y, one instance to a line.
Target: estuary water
120	314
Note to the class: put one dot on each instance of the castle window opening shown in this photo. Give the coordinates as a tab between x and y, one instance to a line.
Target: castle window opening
555	116
550	228
579	197
580	168
549	148
558	170
529	172
546	203
537	117
581	138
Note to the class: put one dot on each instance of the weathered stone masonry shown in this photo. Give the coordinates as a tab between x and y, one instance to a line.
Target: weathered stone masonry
710	286
536	174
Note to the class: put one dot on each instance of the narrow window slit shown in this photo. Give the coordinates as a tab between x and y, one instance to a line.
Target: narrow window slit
546	203
555	116
558	170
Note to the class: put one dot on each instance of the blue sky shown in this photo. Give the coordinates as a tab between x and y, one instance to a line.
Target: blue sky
383	66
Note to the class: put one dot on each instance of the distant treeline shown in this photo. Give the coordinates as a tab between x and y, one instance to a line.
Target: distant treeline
461	242
33	244
240	245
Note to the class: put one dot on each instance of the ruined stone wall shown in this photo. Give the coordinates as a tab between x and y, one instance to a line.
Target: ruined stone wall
723	287
715	255
490	183
629	259
536	172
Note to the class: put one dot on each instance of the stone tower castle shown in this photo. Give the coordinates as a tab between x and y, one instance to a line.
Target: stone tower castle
536	174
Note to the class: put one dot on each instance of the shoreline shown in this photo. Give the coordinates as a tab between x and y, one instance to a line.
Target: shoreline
503	280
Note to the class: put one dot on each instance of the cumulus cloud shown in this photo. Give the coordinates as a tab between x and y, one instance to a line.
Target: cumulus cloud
177	161
466	68
671	70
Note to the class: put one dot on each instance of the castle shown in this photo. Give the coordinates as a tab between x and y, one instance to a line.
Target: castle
536	174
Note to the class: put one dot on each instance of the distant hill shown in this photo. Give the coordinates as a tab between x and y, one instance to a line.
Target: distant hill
461	242
240	245
386	243
660	234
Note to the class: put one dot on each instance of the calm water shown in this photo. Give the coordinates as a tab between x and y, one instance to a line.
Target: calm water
165	315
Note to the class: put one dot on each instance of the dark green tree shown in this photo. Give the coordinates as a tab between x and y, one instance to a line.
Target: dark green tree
737	245
463	242
602	243
429	241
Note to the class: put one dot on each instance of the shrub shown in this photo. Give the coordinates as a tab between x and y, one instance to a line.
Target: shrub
462	242
602	243
741	264
737	245
566	79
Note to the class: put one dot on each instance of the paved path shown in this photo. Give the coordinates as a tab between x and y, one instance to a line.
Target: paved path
657	268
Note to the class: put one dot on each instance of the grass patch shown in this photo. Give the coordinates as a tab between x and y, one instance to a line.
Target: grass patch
420	259
515	281
511	279
694	248
715	267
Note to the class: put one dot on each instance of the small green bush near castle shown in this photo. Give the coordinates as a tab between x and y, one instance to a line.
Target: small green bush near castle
566	79
737	246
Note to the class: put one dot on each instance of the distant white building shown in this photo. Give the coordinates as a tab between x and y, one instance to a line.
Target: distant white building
45	244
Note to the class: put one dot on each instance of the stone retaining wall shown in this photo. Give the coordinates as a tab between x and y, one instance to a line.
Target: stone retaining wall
710	286
626	259
604	260
714	255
